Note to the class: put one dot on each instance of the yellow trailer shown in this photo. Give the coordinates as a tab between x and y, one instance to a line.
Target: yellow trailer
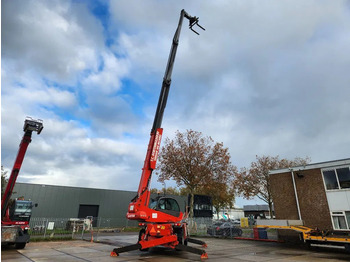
310	235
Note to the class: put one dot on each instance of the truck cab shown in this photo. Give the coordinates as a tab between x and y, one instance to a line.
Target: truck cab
166	205
21	210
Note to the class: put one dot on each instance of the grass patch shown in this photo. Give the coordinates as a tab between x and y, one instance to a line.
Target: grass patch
48	232
47	239
131	229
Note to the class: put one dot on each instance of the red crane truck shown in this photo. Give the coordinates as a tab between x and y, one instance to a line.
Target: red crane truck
161	221
15	214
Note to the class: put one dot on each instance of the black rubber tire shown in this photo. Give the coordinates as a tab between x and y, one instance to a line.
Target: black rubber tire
186	242
20	245
142	231
347	248
180	237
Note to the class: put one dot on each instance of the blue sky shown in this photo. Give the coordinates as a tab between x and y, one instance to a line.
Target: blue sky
265	78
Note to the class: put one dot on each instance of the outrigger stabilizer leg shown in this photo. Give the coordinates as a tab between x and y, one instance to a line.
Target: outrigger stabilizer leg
196	241
194	250
201	252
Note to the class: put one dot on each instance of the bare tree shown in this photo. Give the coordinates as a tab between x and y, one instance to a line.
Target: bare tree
255	181
167	191
219	185
196	162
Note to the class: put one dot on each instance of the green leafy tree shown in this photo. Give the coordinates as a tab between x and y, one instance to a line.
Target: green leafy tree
196	163
255	181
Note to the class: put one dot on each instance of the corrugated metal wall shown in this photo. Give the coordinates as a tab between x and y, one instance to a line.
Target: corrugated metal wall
64	202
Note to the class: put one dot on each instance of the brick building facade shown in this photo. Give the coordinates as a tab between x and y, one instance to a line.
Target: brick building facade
318	194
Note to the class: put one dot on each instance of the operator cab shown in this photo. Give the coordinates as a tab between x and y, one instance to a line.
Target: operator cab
166	205
21	210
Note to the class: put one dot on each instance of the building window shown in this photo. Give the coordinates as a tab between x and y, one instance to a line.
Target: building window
344	177
338	178
330	179
341	220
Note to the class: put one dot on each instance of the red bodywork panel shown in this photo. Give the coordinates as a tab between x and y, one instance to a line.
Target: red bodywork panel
156	147
146	214
158	234
23	224
139	210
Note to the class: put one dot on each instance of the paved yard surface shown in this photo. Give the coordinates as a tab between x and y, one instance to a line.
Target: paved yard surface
218	250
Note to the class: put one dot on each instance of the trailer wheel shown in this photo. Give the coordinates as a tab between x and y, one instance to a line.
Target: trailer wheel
308	245
347	248
20	245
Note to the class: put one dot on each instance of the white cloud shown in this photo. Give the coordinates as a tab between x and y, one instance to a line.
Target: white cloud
107	80
264	78
48	37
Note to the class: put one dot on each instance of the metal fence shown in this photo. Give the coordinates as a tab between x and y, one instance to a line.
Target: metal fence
208	227
93	228
73	228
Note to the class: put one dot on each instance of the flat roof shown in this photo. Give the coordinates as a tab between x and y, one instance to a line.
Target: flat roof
256	208
326	164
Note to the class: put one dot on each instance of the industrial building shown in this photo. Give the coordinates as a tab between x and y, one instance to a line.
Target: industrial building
257	211
77	202
318	194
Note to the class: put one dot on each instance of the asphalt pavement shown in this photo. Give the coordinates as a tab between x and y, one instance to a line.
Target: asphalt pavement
217	250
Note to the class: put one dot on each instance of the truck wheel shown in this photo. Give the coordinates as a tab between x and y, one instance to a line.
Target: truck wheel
20	245
141	237
179	236
185	242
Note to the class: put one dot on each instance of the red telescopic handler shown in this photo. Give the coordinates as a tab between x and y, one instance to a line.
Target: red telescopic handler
161	221
15	214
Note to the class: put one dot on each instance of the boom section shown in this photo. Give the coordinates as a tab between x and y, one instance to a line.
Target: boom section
163	97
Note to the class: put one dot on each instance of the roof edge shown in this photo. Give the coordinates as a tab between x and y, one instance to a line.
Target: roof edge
332	163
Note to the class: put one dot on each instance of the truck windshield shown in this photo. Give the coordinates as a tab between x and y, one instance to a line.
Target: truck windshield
21	210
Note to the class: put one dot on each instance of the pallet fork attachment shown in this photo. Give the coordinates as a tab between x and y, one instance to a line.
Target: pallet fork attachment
193	20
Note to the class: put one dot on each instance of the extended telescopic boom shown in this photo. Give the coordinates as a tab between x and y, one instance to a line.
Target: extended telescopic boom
193	20
156	131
